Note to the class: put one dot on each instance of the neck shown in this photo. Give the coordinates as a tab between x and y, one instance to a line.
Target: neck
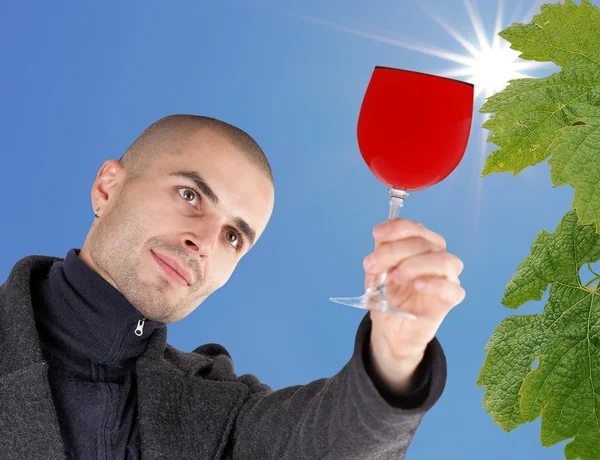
86	316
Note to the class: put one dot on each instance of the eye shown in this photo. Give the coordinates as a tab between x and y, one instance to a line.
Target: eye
189	194
235	238
232	236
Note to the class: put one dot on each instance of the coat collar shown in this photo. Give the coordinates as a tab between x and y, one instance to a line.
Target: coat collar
187	402
19	340
28	420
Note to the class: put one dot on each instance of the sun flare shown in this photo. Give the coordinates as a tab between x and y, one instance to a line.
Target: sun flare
490	70
490	65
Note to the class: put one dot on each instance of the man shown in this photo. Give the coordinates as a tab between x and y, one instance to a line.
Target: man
85	371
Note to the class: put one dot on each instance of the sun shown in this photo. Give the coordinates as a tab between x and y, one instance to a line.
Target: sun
490	69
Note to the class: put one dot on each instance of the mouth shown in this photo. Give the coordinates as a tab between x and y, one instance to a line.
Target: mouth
173	269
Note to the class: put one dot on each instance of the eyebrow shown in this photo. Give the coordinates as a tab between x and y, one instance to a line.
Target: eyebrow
201	184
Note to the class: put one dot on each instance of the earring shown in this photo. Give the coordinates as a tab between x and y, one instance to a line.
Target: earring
96	213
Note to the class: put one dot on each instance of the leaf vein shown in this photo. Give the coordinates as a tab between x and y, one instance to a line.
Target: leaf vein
551	371
567	163
542	123
567	310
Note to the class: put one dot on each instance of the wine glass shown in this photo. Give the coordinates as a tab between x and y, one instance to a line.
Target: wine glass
413	130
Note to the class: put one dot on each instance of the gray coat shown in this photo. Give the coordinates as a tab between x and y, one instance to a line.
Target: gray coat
193	405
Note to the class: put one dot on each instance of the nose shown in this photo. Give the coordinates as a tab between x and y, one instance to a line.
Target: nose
205	236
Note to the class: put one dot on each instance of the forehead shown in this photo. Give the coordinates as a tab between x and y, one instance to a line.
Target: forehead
243	190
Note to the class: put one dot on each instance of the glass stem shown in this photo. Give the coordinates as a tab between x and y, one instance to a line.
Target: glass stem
377	285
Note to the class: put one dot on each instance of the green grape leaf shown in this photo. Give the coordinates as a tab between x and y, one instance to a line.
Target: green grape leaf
511	351
565	340
534	119
555	258
559	34
529	113
575	161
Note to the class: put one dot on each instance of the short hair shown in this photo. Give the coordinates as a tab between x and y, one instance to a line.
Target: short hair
167	136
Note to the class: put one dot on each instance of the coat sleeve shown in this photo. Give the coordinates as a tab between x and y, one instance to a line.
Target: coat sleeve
345	416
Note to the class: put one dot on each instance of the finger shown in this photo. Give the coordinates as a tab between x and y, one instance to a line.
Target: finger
441	264
432	302
449	292
398	229
388	255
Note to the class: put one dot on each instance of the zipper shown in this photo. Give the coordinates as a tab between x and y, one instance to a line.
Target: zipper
139	330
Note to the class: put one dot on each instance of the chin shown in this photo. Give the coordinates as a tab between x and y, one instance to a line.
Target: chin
162	317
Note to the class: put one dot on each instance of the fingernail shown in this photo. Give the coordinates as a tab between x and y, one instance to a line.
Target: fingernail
369	262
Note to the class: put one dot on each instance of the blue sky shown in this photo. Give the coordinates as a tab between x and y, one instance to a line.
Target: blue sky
81	80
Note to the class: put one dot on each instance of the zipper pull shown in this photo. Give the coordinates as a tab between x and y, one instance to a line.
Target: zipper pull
139	330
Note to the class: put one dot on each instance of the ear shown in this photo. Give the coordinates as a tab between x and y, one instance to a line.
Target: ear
108	183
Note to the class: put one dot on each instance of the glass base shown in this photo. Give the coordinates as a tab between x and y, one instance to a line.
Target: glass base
372	301
374	298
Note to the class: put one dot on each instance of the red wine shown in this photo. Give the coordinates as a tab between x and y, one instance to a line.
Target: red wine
413	128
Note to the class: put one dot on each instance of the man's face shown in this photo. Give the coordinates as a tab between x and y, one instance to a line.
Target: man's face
164	216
